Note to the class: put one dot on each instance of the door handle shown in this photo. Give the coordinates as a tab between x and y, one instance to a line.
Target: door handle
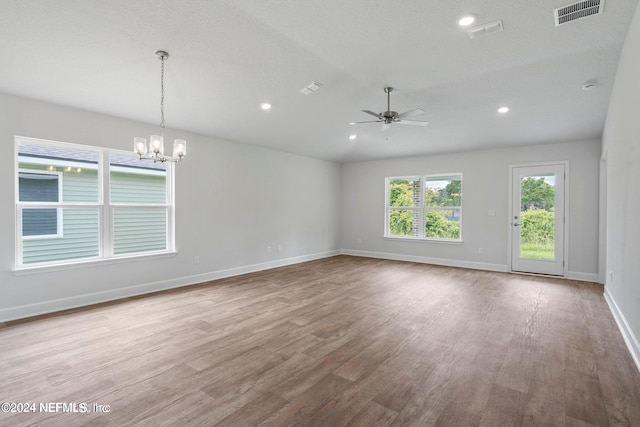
515	224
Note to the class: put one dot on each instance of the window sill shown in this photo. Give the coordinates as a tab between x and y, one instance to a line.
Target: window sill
421	240
72	265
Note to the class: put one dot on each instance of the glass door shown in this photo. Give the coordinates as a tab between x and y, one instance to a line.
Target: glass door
537	219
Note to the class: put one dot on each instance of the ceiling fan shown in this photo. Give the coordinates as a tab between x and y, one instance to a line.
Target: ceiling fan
389	117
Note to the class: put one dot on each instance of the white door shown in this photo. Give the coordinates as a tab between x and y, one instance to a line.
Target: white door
537	219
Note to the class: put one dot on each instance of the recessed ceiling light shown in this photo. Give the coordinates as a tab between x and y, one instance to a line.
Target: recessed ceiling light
466	20
352	137
265	106
503	110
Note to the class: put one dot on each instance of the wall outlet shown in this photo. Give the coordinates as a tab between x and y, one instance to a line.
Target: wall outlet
196	260
268	249
480	250
279	248
491	212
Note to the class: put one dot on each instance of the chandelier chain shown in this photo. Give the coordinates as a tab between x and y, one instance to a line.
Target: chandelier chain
162	94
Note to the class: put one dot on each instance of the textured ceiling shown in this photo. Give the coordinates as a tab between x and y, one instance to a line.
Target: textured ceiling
228	56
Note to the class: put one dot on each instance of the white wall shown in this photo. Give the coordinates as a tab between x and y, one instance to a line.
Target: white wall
485	187
621	149
233	200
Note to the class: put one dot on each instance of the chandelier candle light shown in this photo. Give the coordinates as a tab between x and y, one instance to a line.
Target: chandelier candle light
155	150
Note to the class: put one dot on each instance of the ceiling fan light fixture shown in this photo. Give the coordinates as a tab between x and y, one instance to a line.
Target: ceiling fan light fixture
389	117
467	20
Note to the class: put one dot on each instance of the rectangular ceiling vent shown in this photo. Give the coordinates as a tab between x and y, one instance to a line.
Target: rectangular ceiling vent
579	10
310	88
483	30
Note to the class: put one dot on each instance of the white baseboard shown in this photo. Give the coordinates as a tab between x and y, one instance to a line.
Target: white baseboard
585	277
629	337
30	310
573	275
428	260
45	307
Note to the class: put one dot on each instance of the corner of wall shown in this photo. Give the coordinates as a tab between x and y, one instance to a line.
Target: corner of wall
627	333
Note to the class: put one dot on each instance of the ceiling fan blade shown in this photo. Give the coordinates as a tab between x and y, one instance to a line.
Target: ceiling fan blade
410	113
412	122
385	126
367	121
371	112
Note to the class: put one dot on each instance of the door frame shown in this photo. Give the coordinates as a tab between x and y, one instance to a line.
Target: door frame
602	221
567	216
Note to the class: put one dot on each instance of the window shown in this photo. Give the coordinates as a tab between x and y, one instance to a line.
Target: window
424	207
40	186
139	202
77	203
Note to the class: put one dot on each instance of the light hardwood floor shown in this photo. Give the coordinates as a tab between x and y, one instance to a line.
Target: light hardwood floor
340	341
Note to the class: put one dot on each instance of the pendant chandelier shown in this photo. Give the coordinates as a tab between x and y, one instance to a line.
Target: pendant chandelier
155	149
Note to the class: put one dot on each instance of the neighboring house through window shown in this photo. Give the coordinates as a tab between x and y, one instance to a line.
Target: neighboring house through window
77	203
40	186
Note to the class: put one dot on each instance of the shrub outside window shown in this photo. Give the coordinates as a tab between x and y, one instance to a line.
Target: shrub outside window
424	207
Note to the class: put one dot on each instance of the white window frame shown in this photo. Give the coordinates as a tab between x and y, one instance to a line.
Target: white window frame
168	206
105	208
59	212
421	208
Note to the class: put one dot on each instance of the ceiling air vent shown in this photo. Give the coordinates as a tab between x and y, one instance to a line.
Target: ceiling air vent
483	30
579	10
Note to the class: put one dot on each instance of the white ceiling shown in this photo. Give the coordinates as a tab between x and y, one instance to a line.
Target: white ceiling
228	56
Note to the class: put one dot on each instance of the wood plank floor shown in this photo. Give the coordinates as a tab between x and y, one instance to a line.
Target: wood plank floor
340	341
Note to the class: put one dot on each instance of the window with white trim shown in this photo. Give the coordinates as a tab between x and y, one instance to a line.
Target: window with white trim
427	207
40	186
77	203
